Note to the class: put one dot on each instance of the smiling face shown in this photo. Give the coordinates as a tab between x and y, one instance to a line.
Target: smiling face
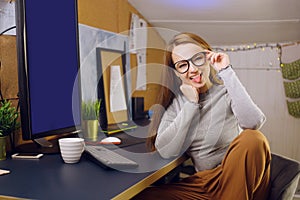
196	76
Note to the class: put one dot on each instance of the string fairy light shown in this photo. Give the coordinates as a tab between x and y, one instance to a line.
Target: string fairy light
263	47
289	72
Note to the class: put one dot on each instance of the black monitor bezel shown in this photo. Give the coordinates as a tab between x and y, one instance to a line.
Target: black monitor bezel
23	77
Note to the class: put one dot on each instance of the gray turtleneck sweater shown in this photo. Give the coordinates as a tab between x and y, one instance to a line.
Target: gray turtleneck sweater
206	129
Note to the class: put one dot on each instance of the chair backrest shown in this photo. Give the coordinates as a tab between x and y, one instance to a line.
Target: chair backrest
285	174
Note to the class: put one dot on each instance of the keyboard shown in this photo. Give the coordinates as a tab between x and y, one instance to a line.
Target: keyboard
108	158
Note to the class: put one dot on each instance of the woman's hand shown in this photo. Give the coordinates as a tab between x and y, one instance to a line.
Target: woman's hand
218	60
190	92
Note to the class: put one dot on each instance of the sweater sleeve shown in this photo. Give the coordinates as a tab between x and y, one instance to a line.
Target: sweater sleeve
248	114
173	129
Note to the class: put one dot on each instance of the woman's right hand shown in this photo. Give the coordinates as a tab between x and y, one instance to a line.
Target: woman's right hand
218	60
190	92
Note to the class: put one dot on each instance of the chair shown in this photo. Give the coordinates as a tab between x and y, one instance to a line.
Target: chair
285	174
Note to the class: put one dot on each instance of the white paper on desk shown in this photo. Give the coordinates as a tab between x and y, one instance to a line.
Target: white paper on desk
3	171
117	93
141	77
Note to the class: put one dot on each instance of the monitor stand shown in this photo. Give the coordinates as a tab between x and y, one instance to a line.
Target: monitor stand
42	145
43	142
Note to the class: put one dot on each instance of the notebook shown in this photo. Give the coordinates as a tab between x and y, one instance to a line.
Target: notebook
119	127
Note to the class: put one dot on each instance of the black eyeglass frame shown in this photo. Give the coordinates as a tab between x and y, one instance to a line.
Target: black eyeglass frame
191	60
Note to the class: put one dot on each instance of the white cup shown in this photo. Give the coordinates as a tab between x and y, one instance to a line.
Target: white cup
71	149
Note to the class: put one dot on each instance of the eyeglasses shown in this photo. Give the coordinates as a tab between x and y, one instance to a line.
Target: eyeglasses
198	60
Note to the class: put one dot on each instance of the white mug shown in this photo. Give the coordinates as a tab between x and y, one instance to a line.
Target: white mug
71	149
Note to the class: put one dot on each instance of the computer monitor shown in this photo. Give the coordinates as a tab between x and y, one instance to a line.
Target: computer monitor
48	62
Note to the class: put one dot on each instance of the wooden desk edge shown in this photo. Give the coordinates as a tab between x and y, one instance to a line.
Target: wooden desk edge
4	197
141	185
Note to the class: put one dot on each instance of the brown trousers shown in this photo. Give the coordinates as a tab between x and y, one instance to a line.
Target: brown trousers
244	174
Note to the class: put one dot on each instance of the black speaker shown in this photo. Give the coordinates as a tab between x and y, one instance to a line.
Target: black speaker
138	108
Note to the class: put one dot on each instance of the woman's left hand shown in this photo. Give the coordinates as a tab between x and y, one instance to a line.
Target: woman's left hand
218	60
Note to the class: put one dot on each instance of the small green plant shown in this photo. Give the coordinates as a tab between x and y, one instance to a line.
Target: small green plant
8	118
90	109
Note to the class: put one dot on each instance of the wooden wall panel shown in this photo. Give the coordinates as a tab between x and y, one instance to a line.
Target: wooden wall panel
8	67
9	74
100	14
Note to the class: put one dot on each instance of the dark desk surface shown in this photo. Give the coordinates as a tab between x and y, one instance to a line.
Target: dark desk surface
50	178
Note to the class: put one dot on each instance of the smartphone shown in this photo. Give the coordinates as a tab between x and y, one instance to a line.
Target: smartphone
27	155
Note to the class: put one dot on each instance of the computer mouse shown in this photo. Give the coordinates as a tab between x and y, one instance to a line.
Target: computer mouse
110	140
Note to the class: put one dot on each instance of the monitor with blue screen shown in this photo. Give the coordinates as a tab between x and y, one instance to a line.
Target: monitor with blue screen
48	62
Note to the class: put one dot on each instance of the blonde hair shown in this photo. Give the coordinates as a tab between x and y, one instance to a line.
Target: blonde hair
170	83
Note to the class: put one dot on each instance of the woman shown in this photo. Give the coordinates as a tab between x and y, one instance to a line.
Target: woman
207	113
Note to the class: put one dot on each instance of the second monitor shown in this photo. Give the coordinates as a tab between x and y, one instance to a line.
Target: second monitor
113	84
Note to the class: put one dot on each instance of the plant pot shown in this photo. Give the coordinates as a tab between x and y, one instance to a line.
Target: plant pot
3	148
91	130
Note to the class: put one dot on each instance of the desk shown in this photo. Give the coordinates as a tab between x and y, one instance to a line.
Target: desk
50	178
